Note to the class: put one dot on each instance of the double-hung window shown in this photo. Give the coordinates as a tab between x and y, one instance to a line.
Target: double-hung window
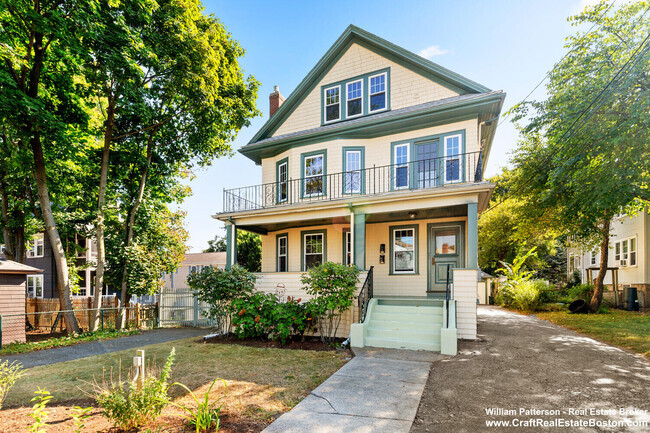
453	164
347	237
594	255
314	250
632	251
352	172
283	182
283	253
314	170
625	252
354	98
401	167
34	286
404	253
377	93
36	248
332	104
194	269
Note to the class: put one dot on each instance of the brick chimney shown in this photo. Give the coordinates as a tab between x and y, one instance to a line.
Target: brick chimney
275	100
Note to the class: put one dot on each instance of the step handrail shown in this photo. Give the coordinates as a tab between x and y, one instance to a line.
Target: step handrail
365	295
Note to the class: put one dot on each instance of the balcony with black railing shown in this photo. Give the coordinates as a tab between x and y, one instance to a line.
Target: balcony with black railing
317	187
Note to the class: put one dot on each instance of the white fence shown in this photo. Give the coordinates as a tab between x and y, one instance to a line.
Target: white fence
179	307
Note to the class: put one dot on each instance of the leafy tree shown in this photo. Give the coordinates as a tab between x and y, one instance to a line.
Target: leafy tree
583	157
249	251
216	245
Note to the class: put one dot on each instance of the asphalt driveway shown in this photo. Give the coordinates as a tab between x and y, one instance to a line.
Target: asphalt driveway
84	350
527	365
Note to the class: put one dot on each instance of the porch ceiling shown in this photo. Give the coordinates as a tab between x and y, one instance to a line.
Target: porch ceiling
371	218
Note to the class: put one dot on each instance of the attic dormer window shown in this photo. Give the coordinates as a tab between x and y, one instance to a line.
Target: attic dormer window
378	92
333	104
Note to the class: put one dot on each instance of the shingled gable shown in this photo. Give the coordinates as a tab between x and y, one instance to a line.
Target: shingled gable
353	34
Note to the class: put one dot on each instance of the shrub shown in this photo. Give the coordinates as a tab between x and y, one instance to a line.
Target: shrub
289	319
252	315
206	414
219	288
9	374
332	287
38	412
580	291
574	279
523	295
129	406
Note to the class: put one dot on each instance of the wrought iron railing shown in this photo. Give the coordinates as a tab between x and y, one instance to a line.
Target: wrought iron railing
414	175
365	295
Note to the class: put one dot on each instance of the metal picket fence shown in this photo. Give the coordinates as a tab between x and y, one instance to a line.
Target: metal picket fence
180	307
41	325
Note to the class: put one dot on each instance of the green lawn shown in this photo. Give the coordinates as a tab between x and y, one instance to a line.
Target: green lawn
625	329
285	375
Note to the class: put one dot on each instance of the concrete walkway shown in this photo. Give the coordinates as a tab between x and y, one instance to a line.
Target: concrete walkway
377	391
84	350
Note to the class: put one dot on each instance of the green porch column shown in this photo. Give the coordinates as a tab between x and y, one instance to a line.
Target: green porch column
231	245
359	240
472	236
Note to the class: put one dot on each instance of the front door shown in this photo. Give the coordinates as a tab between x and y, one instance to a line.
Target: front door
445	251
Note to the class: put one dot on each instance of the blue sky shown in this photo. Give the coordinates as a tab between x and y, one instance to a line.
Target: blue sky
508	45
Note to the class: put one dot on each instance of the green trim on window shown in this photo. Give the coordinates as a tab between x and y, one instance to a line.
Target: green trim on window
359	240
345	252
302	245
277	180
362	161
365	96
416	246
441	152
305	155
277	251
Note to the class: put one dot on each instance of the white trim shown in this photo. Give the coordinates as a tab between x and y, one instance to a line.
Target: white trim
415	253
351	234
407	165
285	255
280	181
321	175
456	156
325	105
370	110
347	115
304	248
32	293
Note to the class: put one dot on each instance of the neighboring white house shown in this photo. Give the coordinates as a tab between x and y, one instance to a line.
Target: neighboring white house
629	252
193	262
376	159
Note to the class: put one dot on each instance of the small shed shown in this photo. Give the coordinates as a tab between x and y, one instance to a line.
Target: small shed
484	288
13	277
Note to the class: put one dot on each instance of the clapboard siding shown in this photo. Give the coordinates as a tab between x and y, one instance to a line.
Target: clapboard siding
407	88
12	301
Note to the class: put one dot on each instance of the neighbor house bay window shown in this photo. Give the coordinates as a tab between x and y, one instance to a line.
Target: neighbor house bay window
332	104
377	94
403	243
314	250
314	170
354	98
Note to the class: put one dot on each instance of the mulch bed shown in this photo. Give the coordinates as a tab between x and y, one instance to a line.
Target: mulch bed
309	343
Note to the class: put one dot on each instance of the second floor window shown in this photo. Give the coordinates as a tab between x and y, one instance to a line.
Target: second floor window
377	92
352	171
34	286
453	165
401	173
313	174
332	104
283	185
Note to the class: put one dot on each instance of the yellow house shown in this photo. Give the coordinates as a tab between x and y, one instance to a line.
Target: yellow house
376	159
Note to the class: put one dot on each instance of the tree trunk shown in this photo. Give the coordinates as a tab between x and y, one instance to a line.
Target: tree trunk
62	277
594	305
130	225
101	203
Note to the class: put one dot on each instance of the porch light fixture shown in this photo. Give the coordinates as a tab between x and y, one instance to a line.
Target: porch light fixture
412	215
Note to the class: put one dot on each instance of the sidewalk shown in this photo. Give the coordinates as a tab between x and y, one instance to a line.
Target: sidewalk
377	391
84	350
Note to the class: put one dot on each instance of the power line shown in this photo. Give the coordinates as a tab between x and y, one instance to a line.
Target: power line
563	57
584	112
